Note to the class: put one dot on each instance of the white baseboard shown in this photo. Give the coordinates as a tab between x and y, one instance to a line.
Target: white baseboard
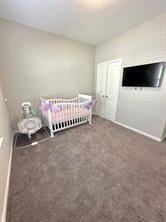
140	132
163	138
3	219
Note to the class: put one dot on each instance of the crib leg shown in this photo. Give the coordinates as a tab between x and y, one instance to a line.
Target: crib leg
50	125
90	119
52	133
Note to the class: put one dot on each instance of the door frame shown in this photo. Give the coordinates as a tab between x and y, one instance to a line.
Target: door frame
108	62
111	61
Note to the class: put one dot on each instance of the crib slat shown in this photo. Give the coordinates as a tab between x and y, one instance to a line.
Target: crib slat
66	116
82	113
72	113
75	113
69	110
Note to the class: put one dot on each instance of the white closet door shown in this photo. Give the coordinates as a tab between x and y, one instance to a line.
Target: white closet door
113	81
101	89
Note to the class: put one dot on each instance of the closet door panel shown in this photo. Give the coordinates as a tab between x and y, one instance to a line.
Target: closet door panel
113	80
101	88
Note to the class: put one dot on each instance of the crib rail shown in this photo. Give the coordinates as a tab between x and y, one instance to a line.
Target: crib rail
73	112
55	101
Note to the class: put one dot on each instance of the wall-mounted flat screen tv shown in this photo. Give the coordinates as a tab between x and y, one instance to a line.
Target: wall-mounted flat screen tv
149	75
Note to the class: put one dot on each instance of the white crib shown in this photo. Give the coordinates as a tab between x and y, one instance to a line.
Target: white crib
72	112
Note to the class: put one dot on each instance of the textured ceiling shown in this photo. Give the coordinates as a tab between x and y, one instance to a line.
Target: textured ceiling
91	21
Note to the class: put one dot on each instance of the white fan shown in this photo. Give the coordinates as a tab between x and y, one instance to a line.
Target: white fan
27	110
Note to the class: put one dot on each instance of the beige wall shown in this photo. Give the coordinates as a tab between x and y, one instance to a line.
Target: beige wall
145	109
36	63
164	132
5	151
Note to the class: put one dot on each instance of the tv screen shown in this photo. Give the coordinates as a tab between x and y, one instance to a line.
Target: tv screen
149	75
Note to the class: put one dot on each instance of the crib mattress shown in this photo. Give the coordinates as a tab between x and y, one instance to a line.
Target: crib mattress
69	114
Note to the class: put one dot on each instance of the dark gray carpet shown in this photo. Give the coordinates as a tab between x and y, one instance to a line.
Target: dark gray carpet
92	173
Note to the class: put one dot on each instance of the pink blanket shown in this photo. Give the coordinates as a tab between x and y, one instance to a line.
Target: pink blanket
69	114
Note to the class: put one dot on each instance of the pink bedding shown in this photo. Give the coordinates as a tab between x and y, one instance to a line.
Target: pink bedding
69	114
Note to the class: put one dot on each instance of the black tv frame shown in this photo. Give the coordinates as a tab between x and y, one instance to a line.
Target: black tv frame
142	86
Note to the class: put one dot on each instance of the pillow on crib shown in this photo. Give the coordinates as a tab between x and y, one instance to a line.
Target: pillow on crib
90	104
55	108
48	106
44	107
